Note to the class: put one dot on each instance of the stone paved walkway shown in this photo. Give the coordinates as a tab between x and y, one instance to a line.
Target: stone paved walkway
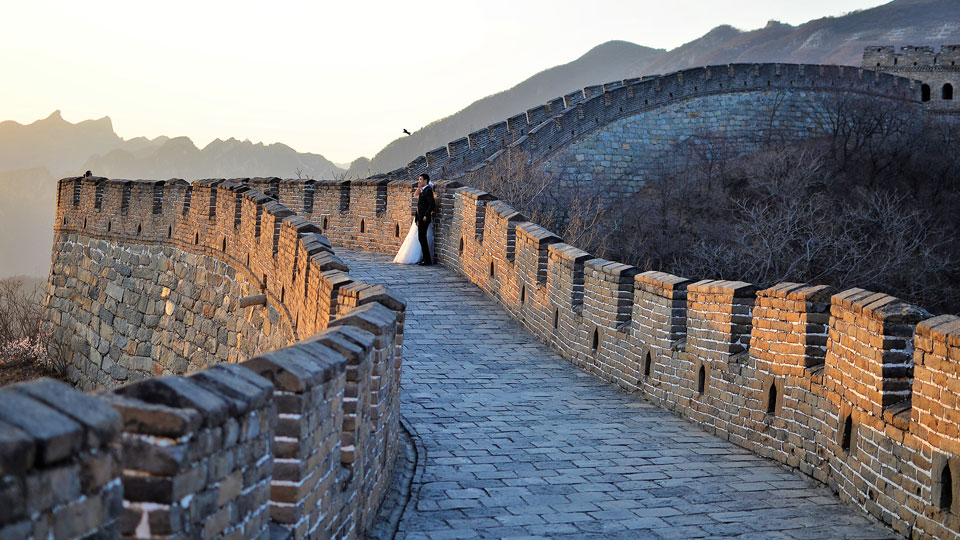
521	444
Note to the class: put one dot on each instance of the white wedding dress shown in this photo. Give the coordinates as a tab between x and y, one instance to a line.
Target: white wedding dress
410	252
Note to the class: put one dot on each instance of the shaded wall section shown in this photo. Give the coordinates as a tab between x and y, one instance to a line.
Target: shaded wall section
288	422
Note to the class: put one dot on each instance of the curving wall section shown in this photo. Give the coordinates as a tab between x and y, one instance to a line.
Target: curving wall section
565	121
290	431
856	389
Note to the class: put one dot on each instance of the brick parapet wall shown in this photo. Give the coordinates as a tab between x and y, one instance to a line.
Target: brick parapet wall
771	358
303	437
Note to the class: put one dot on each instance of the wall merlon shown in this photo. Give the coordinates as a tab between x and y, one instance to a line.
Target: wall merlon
39	420
153	419
569	254
458	147
538	233
504	211
945	328
619	272
437	155
719	318
101	424
479	138
355	347
592	91
373	317
573	98
556	106
417	166
517	124
537	115
293	371
181	393
662	283
497	133
733	289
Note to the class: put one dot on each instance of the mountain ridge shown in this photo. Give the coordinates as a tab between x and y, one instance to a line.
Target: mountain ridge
828	40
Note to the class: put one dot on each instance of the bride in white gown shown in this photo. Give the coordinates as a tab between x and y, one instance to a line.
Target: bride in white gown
410	251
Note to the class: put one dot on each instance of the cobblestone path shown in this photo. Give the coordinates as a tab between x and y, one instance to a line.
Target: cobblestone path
521	444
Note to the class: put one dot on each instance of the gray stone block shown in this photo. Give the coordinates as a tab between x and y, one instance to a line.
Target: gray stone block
17	450
180	393
102	424
373	318
239	394
338	341
153	419
12	500
290	370
56	436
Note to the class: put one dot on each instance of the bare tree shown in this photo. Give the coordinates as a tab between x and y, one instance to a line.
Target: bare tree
576	210
21	337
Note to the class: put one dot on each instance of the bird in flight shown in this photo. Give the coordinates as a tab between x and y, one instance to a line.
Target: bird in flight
405	132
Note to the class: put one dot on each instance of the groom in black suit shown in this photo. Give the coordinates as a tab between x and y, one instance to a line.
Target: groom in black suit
426	206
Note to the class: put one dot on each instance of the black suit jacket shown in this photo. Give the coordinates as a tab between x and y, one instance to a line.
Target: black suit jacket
426	206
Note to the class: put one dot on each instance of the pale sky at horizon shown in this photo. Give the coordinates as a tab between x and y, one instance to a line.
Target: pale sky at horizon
338	80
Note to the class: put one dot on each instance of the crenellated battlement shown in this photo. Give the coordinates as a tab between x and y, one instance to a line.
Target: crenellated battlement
922	58
290	413
852	388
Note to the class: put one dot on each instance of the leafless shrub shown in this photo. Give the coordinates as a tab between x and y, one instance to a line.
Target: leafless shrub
21	336
20	310
791	213
576	210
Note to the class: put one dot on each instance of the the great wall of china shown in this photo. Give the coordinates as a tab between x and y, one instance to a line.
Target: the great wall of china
155	279
856	389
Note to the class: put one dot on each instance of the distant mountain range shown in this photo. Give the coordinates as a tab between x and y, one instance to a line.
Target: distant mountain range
68	149
830	40
32	156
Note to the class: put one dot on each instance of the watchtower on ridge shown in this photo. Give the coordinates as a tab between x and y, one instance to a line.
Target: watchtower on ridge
939	72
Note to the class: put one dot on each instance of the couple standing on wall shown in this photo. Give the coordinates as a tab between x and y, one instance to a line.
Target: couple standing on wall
417	247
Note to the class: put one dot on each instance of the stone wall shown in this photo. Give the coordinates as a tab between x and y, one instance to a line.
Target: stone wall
573	119
624	154
152	278
138	310
856	389
938	71
292	428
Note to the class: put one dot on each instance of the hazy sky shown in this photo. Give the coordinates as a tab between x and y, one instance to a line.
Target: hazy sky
336	78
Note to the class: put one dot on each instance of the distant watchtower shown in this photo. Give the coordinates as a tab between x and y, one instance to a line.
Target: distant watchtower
939	72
